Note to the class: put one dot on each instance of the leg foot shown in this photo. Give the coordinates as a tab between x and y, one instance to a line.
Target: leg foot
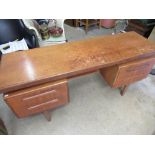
47	115
123	90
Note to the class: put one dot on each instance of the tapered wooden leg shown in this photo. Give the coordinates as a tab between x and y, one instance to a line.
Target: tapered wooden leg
48	115
123	90
86	26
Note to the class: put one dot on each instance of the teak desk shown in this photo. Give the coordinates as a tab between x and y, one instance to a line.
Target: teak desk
35	81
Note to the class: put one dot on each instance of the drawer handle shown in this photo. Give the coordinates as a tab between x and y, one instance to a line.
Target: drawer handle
138	68
42	104
38	95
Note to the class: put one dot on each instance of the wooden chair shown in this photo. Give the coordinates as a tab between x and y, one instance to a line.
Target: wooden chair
87	23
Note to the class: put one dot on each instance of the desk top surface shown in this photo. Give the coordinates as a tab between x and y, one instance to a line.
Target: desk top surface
27	68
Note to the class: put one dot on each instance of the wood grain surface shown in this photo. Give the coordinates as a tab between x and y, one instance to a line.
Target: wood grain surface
38	99
28	68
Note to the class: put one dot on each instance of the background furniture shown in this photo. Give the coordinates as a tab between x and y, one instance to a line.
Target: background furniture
33	24
39	81
87	23
70	22
142	26
12	29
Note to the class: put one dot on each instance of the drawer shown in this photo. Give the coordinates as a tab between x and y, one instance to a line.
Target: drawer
132	72
125	74
38	99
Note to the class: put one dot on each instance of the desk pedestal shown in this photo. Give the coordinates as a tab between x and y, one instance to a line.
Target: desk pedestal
38	99
120	76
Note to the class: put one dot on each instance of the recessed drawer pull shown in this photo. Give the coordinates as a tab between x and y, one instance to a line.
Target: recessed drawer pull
38	95
42	104
38	98
138	68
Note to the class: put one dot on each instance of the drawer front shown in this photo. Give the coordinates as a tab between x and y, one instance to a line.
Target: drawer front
38	99
132	72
